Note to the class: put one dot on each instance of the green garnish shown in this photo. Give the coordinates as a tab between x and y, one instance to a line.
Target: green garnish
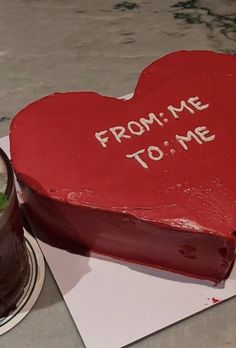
3	201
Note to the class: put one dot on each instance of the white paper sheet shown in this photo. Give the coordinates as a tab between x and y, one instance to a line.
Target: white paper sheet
114	304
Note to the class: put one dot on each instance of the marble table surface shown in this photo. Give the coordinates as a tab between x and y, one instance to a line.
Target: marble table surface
48	46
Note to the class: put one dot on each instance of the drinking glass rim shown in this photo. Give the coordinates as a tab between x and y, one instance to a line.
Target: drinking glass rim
10	177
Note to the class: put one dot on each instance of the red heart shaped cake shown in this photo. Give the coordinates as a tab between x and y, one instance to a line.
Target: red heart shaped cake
151	179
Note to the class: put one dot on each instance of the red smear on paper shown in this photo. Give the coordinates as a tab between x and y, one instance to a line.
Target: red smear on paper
215	300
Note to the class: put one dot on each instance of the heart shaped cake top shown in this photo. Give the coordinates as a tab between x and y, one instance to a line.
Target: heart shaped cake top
166	155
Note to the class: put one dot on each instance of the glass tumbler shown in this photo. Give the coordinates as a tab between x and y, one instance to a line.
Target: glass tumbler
14	265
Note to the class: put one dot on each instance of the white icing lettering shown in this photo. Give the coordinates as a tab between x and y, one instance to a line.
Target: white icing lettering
139	131
101	140
159	153
202	132
197	104
183	139
138	158
183	106
199	134
151	118
119	132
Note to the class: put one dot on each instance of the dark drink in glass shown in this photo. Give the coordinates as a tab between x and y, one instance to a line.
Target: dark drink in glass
14	266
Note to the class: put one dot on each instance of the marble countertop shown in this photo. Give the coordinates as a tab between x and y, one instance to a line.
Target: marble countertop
48	46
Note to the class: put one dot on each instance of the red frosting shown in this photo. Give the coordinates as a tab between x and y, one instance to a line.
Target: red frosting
173	206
